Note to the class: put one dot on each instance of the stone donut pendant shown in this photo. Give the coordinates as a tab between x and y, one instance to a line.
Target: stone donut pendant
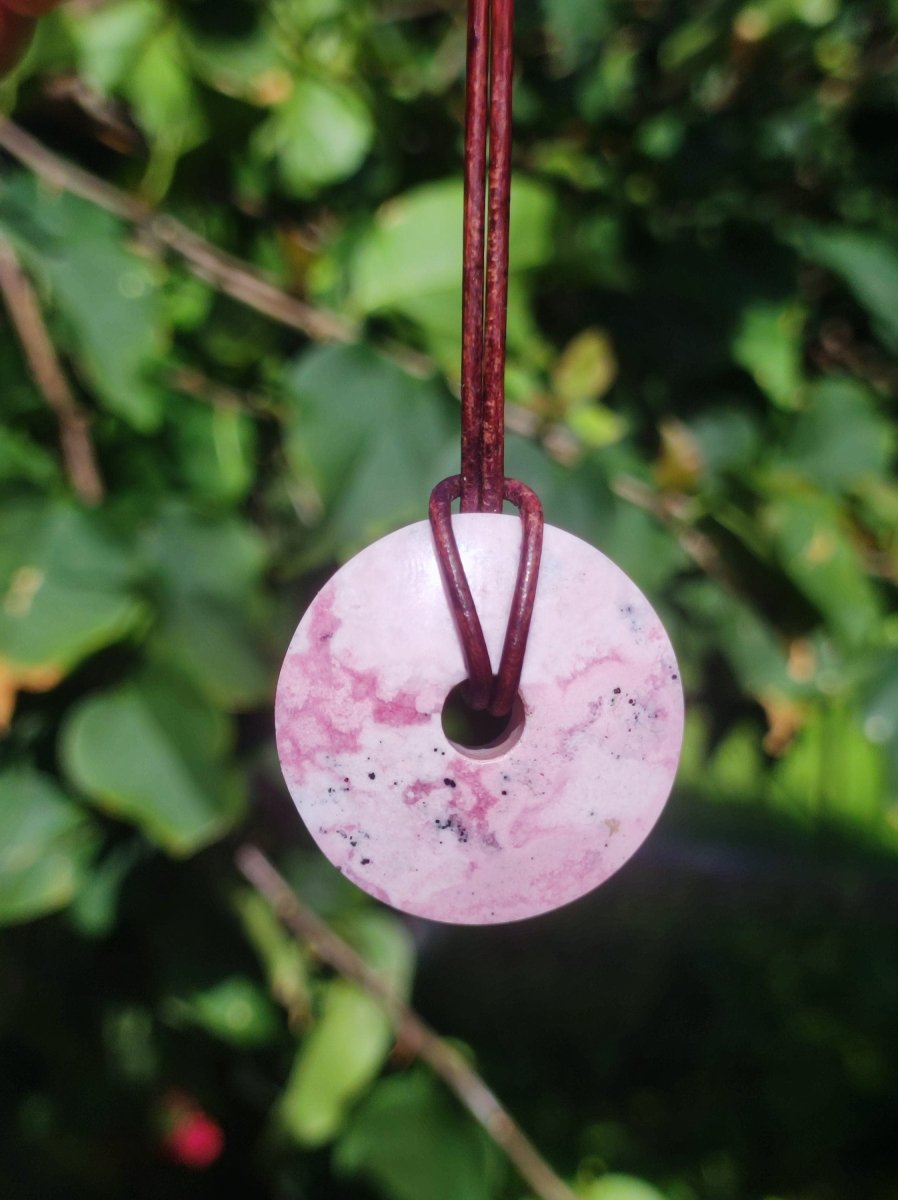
506	831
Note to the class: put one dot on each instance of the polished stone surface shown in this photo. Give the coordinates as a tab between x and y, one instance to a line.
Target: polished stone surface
419	823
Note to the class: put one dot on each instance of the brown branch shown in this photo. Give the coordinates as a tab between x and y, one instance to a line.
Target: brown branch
415	1035
700	548
193	382
216	267
74	426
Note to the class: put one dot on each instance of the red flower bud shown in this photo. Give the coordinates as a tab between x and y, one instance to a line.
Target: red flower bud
192	1138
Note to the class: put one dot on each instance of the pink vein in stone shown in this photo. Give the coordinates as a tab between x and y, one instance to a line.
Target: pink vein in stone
309	731
474	789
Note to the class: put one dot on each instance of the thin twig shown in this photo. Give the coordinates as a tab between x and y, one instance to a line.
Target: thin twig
700	548
25	314
221	270
194	382
415	1035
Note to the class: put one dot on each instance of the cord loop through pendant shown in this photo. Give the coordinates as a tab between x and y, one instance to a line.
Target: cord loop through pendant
482	485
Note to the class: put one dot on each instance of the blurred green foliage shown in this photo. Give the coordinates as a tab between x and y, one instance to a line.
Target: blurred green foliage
702	327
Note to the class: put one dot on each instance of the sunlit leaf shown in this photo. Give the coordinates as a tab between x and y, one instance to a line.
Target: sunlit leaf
768	345
65	590
153	753
815	551
318	135
414	247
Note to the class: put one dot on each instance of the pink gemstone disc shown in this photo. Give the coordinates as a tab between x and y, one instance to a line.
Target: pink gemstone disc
424	825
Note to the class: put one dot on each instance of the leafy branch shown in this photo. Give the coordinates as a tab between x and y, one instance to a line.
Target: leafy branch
415	1034
215	266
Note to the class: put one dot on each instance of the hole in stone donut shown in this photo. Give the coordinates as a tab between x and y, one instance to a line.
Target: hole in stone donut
480	734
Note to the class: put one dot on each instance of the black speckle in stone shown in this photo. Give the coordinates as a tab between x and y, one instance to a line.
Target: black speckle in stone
617	691
631	701
330	791
365	861
371	775
450	783
505	793
455	825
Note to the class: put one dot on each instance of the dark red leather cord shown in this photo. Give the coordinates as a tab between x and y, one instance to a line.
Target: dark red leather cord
474	241
482	485
498	206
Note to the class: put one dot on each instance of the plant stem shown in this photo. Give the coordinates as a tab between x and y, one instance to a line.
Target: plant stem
414	1033
25	314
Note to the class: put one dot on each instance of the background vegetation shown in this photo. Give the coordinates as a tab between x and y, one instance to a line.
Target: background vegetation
702	382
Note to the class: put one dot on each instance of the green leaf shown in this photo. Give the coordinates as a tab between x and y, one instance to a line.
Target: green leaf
727	438
152	752
95	908
283	957
585	369
619	1187
110	44
385	944
22	459
768	344
868	264
881	702
414	246
64	586
216	448
347	1046
105	295
370	440
755	653
320	134
840	439
835	772
235	1010
412	1142
164	99
814	549
210	609
338	1059
46	846
575	26
249	66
